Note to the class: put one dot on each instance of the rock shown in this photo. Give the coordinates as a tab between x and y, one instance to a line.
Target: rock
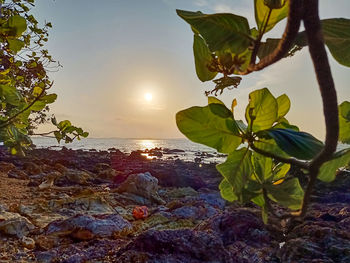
137	155
183	245
72	177
15	224
238	225
142	184
85	227
60	168
18	174
28	242
108	175
49	180
32	168
84	203
6	167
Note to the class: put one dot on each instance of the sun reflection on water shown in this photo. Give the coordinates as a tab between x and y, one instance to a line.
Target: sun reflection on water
146	144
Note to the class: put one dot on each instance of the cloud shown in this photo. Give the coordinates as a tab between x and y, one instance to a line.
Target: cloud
201	3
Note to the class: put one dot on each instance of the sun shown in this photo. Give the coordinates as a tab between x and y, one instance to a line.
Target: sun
148	97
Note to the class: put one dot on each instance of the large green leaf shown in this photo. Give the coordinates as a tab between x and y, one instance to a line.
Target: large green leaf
220	31
336	33
201	125
273	10
262	110
344	122
226	191
236	169
202	58
328	169
288	194
269	145
297	144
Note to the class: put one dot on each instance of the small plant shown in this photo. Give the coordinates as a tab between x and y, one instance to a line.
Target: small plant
262	149
24	80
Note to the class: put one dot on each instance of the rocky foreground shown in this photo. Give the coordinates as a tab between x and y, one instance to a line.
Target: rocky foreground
79	206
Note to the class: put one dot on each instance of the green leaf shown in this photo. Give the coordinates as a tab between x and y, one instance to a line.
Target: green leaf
262	110
18	25
10	95
328	169
266	48
218	108
280	171
288	194
226	191
269	145
278	10
262	167
202	58
297	144
200	125
336	33
63	125
236	169
344	122
220	31
15	44
283	103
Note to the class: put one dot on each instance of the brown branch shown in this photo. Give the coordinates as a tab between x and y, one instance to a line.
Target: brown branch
289	35
328	93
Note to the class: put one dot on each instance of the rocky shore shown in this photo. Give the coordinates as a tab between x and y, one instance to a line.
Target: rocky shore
108	206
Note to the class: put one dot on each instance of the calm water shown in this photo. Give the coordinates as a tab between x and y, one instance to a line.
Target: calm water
128	145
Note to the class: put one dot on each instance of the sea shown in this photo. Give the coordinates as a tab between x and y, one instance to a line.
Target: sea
190	149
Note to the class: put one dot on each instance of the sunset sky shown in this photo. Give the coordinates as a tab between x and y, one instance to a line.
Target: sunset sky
128	66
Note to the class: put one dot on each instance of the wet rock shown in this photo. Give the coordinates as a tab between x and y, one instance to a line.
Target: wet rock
15	224
85	227
143	185
6	167
175	246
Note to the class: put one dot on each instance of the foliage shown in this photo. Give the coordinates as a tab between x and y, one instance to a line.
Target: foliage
24	80
261	149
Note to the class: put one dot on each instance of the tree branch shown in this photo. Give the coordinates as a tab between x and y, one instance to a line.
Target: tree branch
328	93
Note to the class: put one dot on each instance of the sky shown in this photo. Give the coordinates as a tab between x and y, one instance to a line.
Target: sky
114	52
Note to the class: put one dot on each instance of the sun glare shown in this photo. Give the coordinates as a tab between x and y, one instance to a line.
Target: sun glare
148	97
